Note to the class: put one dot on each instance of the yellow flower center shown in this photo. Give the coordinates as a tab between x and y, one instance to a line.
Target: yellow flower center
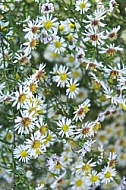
123	157
82	5
70	37
34	29
33	109
112	149
107	175
103	138
85	109
96	85
86	167
123	106
26	122
58	166
38	152
9	136
71	59
61	27
49	138
76	74
65	128
63	76
43	129
72	25
54	55
58	44
33	87
96	127
33	43
23	154
94	178
22	98
48	24
79	183
36	144
72	87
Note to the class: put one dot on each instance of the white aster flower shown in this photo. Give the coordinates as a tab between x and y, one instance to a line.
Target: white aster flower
58	45
111	95
79	183
22	58
40	73
53	162
21	153
47	8
86	147
112	5
110	50
85	167
50	24
72	89
86	130
82	6
35	145
94	178
42	127
107	175
32	42
33	27
50	139
94	20
112	35
62	76
24	124
93	36
20	96
82	110
65	127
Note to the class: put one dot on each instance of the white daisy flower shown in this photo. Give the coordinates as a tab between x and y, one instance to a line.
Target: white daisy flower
85	167
86	130
86	147
112	35
94	178
21	153
62	76
93	36
20	96
82	110
35	145
79	183
110	50
94	20
50	24
82	6
33	27
47	8
107	174
40	73
72	88
58	45
65	127
24	124
32	42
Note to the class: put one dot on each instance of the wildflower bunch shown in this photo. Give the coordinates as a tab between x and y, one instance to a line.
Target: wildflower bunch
62	95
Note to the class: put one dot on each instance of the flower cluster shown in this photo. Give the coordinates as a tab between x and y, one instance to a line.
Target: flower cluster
62	95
